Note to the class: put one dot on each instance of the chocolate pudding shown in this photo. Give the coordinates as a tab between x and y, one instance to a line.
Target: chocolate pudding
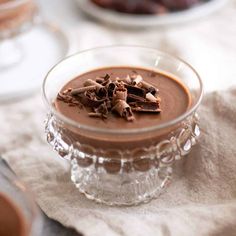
11	220
150	98
14	14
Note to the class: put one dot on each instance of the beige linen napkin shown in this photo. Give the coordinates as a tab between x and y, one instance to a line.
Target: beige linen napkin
201	200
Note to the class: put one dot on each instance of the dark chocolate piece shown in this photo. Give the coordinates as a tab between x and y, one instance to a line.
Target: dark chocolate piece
152	107
154	91
135	98
135	90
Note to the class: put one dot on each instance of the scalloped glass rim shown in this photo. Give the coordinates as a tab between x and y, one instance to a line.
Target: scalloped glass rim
123	131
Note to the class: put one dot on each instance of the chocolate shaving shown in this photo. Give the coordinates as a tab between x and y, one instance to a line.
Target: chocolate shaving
77	91
90	82
123	96
90	99
102	109
150	97
154	91
105	80
135	90
106	77
124	110
137	80
97	115
110	89
120	93
134	98
152	107
99	80
67	98
102	92
126	80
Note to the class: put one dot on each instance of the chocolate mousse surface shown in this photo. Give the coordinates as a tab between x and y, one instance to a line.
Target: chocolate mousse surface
173	99
12	222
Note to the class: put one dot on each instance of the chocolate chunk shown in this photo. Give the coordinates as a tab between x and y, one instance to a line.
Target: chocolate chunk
150	88
135	90
152	107
135	98
152	98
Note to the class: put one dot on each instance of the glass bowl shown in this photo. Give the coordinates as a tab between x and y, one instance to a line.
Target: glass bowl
16	193
141	168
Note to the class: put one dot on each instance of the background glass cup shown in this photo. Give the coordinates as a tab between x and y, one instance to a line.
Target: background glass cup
100	169
16	16
16	192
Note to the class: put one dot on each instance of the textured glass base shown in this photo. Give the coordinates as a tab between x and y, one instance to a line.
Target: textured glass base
130	177
122	188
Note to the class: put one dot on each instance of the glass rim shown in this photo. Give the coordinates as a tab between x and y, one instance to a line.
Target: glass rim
122	131
12	4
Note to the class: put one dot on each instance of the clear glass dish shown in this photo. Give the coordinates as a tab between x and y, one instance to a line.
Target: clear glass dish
16	192
137	172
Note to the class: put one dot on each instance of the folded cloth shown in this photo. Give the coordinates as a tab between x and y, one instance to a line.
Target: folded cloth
201	200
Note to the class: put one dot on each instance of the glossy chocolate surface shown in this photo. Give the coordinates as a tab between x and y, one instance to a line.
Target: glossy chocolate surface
175	100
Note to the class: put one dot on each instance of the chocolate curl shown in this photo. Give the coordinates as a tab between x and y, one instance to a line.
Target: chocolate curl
120	94
126	80
106	77
124	110
134	98
77	91
152	98
110	88
99	80
90	82
135	90
137	80
151	107
150	88
100	89
102	109
90	99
